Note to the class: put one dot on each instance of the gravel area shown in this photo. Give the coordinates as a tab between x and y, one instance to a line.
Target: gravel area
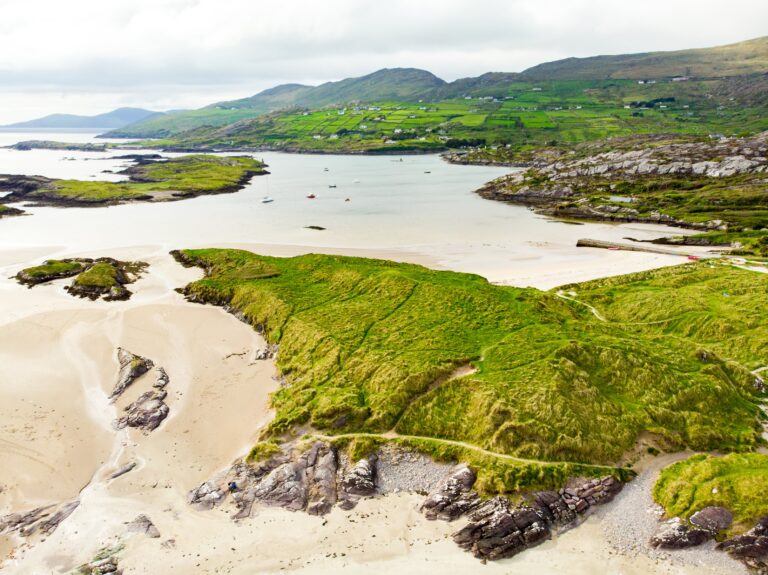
401	470
633	517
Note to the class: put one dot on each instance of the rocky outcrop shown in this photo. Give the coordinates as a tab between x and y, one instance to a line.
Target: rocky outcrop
319	477
143	525
127	468
146	413
149	410
581	182
454	497
132	366
751	548
703	526
498	529
677	534
713	519
100	567
313	481
358	482
43	520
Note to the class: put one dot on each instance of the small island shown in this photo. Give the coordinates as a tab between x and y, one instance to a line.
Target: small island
149	180
94	278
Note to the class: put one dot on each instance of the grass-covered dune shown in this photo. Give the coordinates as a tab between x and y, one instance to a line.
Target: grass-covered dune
162	180
373	347
738	481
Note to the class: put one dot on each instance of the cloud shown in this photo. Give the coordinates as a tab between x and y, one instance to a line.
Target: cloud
172	53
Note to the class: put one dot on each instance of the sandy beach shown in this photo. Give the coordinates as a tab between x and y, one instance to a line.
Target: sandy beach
57	366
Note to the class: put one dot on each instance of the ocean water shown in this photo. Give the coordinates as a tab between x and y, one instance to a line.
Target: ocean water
417	204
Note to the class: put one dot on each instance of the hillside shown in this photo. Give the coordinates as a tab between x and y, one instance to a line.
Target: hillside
373	347
741	59
389	84
115	119
582	76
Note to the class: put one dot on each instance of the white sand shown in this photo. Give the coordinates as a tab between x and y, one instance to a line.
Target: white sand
57	366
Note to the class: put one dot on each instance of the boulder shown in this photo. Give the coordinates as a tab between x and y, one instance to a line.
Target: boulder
453	497
132	366
676	534
713	519
751	548
146	413
143	524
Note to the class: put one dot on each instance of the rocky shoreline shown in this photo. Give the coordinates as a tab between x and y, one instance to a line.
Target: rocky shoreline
621	182
314	477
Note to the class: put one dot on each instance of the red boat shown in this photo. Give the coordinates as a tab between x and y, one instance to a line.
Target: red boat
693	257
311	196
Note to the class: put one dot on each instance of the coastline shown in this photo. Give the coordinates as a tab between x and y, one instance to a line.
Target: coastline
207	354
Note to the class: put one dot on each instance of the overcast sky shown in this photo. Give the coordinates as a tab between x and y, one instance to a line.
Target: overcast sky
90	56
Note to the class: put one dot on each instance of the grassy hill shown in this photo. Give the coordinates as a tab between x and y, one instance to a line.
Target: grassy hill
734	75
372	347
741	59
528	113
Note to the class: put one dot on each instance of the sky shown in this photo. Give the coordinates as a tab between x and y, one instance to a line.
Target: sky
90	56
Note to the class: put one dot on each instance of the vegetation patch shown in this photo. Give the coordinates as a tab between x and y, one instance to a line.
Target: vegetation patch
737	481
362	343
9	211
149	180
102	277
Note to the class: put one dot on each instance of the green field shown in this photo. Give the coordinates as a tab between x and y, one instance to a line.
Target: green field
368	347
521	113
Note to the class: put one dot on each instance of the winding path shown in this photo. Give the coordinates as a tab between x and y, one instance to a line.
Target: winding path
462	444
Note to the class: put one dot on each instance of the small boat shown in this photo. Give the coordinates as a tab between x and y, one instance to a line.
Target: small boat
332	186
614	248
266	200
694	258
355	181
347	200
427	172
311	196
325	169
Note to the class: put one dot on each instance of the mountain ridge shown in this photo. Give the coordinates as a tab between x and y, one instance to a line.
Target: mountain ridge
116	118
741	59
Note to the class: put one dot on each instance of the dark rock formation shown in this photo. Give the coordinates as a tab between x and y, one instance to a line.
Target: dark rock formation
453	497
162	378
206	496
147	412
131	367
318	478
100	567
497	529
42	520
312	481
127	468
358	482
713	519
676	534
143	524
751	548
